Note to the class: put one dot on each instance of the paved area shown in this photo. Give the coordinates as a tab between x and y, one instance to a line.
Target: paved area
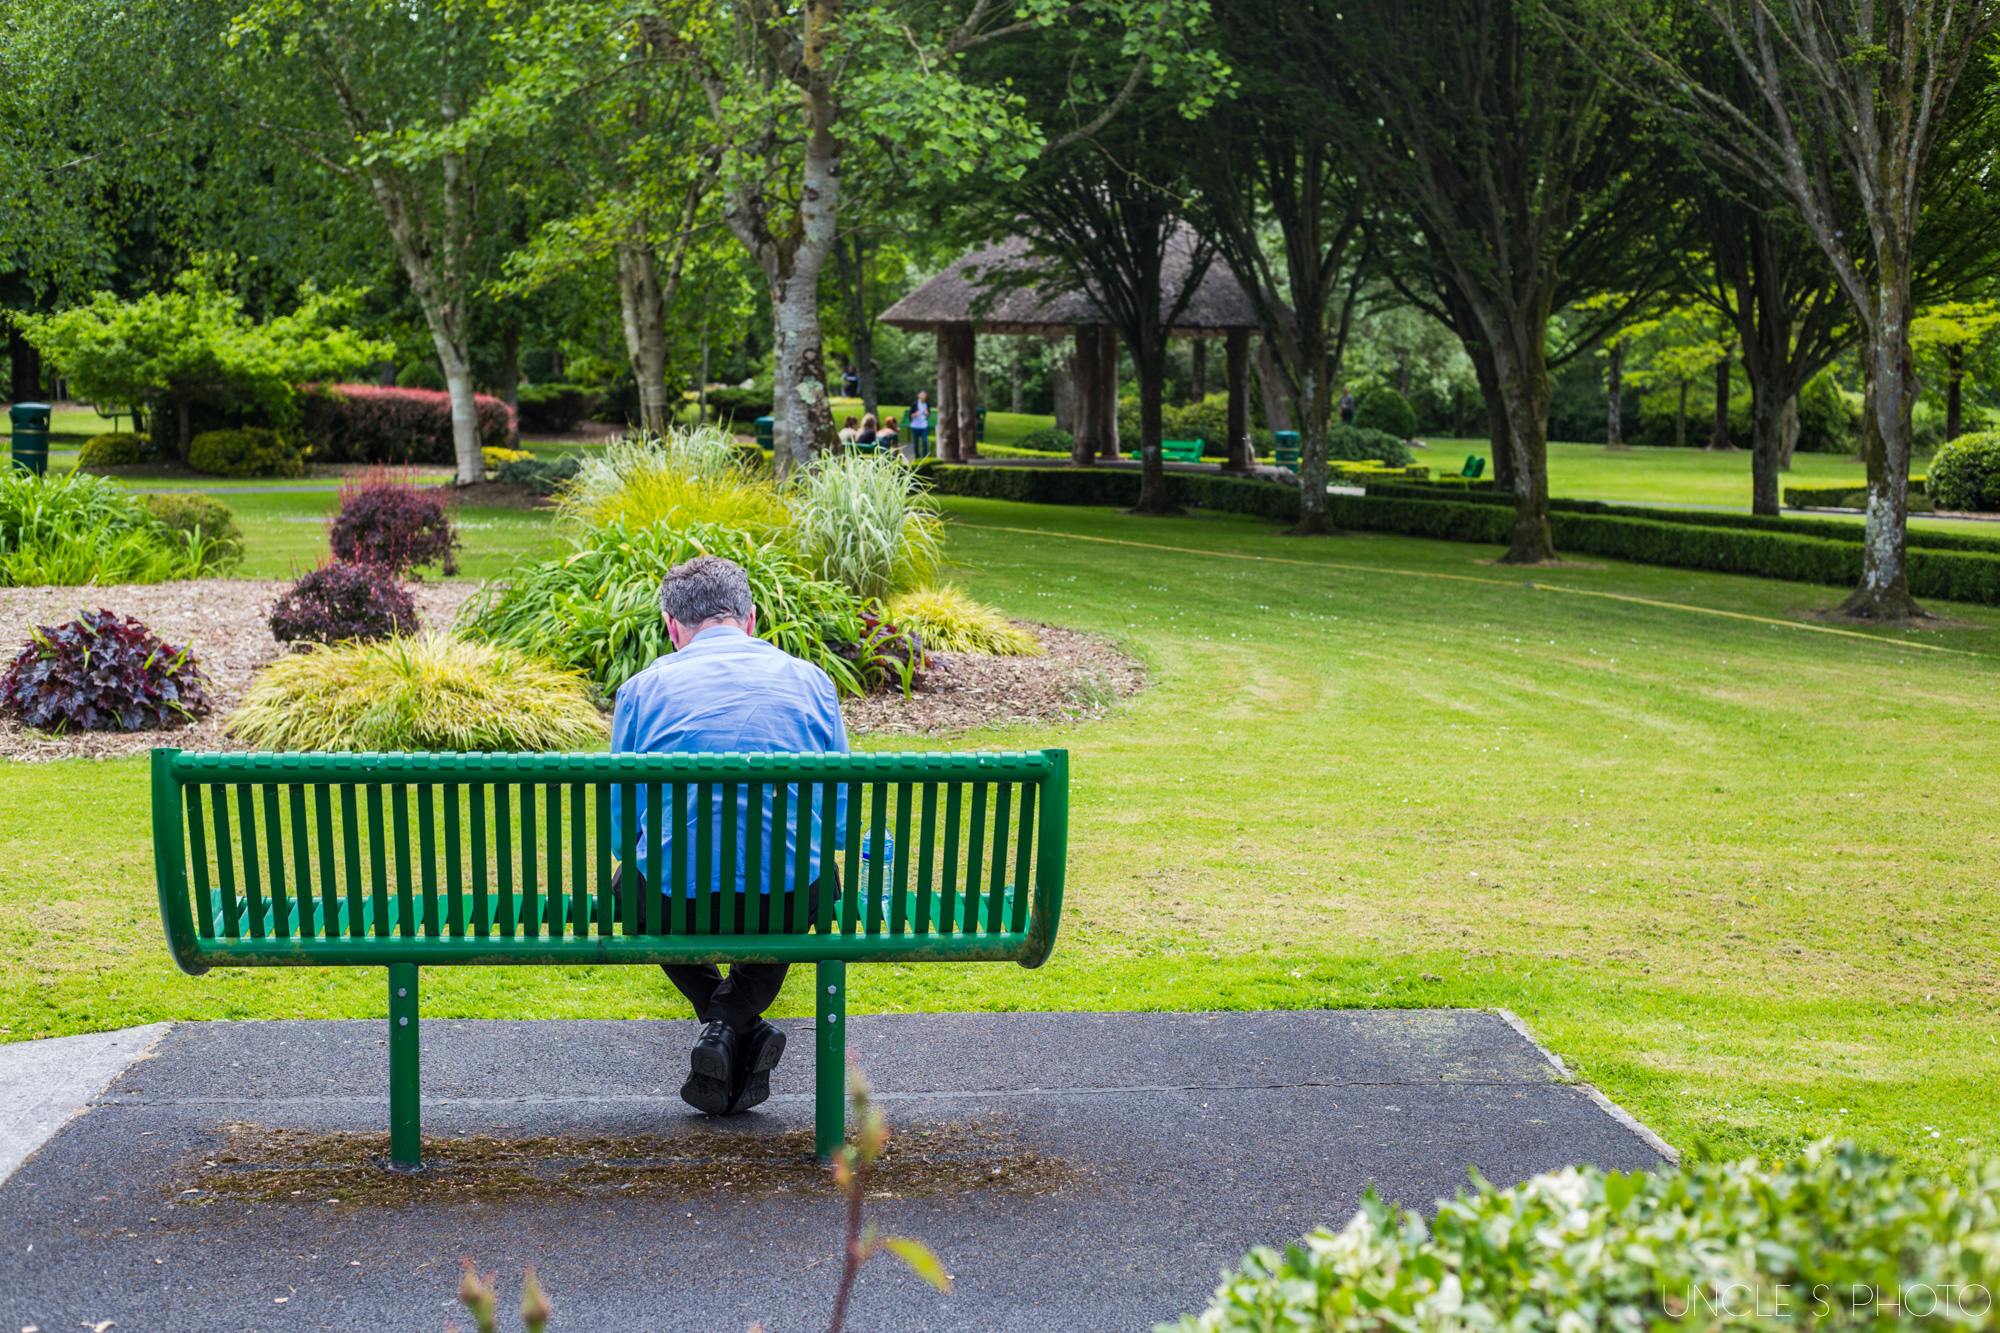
1074	1171
46	1084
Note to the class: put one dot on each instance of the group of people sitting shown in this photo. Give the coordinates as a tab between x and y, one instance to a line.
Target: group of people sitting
865	433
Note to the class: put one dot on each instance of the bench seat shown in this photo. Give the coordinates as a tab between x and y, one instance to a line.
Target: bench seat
406	861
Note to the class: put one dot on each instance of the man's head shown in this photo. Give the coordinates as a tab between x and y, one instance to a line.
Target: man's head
705	591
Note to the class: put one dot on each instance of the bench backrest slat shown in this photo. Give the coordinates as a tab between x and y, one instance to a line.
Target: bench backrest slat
271	858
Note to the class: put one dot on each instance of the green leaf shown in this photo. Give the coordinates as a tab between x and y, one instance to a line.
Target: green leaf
921	1261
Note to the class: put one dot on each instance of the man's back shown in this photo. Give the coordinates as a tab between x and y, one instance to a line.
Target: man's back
727	692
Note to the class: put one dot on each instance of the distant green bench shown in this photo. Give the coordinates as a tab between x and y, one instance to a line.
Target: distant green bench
446	860
1177	451
1475	467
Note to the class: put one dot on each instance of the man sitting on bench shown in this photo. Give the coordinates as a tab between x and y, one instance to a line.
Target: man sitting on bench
723	690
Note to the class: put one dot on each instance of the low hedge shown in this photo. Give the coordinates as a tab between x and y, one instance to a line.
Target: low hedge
1847	495
365	423
1959	573
1832	529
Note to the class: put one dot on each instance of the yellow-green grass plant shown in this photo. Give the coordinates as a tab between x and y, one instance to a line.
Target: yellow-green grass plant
866	521
949	621
691	474
426	692
68	529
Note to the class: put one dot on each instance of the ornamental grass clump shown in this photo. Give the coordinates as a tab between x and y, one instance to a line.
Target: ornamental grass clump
689	475
102	673
1841	1238
424	693
865	520
76	529
951	622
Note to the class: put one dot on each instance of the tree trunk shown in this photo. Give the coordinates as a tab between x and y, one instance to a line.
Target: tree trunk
1789	433
464	412
1681	419
1237	423
181	420
1062	387
1277	412
1954	360
1149	359
1718	439
1314	404
945	413
510	379
1085	424
1497	446
25	378
701	384
1767	448
1614	377
968	392
643	308
1108	443
1521	364
1884	593
1198	370
1014	382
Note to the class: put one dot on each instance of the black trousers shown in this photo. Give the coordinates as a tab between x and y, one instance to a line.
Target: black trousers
740	998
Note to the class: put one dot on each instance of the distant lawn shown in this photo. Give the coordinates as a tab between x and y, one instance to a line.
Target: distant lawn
1677	476
286	533
1740	874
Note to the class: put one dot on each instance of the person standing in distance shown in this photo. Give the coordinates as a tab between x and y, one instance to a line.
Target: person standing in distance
724	690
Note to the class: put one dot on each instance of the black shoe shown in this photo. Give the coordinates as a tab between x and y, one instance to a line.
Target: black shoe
762	1047
756	1089
711	1082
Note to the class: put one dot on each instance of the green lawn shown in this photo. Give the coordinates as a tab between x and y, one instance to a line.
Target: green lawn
1738	871
286	533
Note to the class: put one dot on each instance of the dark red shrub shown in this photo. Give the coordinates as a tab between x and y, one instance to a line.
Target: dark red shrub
364	423
393	524
101	673
342	601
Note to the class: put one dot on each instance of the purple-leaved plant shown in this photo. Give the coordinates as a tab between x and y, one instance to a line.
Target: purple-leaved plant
101	672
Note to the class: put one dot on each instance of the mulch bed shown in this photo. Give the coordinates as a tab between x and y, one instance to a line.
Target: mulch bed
1081	676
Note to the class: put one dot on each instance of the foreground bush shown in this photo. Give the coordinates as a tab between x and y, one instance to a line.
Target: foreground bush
596	609
863	520
341	602
363	423
393	525
948	621
1964	475
249	452
1842	1238
198	520
118	449
101	673
73	529
424	693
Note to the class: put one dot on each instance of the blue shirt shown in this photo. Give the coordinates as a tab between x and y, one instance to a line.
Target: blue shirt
729	693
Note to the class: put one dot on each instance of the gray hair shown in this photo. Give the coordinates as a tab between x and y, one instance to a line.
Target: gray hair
704	588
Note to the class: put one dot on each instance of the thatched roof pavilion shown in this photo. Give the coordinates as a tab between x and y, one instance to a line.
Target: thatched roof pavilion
993	290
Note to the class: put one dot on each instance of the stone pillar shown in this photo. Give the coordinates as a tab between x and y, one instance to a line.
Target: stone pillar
1089	400
944	414
968	392
1239	399
1107	383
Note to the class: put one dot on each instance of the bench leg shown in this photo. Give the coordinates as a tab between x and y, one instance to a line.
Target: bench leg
830	1059
405	1097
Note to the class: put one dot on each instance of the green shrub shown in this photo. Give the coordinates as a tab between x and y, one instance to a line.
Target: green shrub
250	452
1848	495
194	518
424	693
118	449
76	528
1845	1239
863	520
1354	444
543	476
1382	408
1048	440
422	373
1964	475
553	409
739	407
596	608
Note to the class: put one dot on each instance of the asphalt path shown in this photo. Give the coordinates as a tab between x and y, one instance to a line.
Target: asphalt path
1074	1171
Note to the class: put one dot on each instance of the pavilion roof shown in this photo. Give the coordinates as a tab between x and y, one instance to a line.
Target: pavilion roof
1219	304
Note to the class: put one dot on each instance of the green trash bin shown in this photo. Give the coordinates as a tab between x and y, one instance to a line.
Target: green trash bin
767	434
31	436
1287	449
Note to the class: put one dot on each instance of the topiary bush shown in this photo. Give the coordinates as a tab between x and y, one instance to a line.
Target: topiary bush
339	602
198	521
1964	475
249	452
553	409
118	449
1838	1239
394	525
365	423
1353	444
102	673
425	693
1383	409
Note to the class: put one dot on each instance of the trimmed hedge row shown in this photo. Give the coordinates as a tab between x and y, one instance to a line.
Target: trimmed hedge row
1838	497
1832	529
1969	574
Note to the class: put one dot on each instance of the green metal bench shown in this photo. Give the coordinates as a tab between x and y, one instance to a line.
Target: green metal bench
1177	451
411	860
1474	469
